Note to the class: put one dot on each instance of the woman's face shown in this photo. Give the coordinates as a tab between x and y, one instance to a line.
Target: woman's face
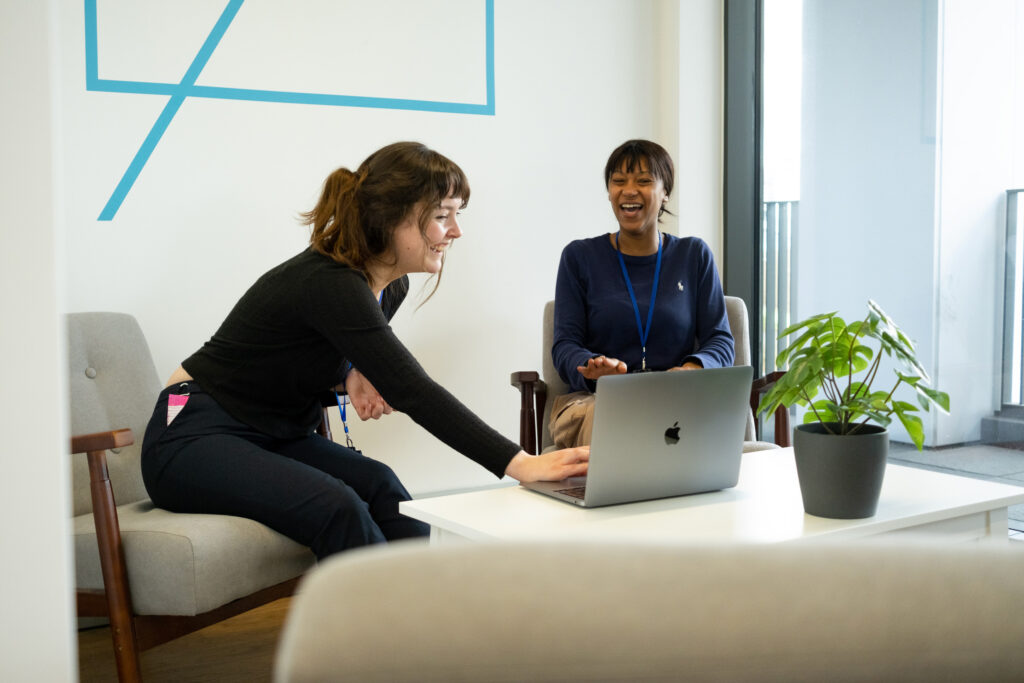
423	251
636	197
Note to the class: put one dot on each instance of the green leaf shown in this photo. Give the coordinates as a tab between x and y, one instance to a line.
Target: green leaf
927	396
803	357
914	427
794	346
912	380
828	354
806	323
790	388
874	397
823	411
873	405
881	419
865	353
810	417
903	353
894	341
857	328
854	390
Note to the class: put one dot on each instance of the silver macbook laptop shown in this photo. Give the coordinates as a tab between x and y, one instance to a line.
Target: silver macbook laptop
661	434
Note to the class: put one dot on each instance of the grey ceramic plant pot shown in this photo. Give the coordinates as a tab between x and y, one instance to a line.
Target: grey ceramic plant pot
840	476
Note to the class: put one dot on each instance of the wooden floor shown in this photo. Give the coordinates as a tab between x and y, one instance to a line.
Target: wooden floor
239	649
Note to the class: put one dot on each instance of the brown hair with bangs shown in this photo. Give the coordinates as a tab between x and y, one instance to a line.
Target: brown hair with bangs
355	218
628	156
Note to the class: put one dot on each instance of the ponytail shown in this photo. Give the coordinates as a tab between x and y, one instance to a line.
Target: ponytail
337	229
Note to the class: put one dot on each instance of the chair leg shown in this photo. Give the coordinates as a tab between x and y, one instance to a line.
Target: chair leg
540	400
115	574
782	427
529	435
126	651
527	431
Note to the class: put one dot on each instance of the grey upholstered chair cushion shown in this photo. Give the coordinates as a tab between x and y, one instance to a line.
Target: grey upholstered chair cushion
177	564
786	612
189	564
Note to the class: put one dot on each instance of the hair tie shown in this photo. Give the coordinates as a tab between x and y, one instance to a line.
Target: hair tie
360	177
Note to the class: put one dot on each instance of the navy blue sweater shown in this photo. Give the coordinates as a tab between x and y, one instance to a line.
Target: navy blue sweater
594	315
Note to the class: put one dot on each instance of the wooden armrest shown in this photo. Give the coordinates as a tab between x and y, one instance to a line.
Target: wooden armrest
115	601
762	385
102	441
533	392
527	377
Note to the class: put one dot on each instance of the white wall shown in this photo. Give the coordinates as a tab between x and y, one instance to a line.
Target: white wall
982	61
911	138
1017	80
868	166
36	626
215	205
701	92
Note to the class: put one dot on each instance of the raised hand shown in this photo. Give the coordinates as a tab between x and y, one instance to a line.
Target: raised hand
601	366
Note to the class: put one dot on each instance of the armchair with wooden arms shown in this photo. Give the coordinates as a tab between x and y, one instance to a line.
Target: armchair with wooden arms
156	575
538	390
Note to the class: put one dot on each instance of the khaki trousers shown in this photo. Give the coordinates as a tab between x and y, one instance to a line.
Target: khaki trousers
572	419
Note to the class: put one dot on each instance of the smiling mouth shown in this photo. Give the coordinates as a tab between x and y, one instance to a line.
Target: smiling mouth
438	248
631	208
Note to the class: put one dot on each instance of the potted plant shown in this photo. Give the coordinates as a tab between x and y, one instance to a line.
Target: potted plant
842	446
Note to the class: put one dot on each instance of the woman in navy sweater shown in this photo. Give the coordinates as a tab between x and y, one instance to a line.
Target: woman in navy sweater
635	300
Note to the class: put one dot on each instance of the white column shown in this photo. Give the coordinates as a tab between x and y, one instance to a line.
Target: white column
37	619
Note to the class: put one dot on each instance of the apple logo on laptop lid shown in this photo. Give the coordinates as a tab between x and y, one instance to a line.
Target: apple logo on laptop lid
672	434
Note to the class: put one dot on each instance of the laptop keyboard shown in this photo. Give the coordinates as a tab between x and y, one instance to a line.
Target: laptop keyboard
575	491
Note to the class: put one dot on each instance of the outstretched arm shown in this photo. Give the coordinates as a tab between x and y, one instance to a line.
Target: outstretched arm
553	466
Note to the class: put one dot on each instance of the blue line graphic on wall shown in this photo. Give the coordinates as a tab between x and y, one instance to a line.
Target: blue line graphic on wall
187	87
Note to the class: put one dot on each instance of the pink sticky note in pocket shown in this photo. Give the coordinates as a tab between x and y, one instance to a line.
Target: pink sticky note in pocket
175	402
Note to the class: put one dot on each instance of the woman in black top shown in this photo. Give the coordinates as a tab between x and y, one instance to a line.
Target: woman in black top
234	431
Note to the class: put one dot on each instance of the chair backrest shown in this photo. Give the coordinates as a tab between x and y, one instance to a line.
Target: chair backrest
739	324
113	384
556	387
713	612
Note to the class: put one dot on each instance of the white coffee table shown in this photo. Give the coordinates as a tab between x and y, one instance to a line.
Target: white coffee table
764	507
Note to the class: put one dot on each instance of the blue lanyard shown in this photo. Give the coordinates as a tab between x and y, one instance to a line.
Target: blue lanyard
342	402
341	409
644	331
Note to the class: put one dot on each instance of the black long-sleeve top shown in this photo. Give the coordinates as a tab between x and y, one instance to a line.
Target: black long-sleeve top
286	343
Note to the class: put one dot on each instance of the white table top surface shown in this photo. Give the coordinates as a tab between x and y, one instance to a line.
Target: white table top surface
765	506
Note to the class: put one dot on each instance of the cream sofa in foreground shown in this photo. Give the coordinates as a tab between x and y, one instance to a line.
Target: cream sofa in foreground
865	611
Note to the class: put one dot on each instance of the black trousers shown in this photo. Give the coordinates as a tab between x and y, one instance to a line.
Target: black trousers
316	492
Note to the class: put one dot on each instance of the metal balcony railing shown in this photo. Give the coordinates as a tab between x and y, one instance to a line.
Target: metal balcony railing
778	223
1013	301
